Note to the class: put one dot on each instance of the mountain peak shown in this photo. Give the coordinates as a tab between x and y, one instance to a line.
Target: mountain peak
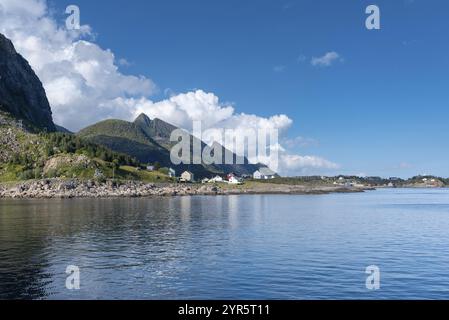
156	128
6	45
143	118
21	92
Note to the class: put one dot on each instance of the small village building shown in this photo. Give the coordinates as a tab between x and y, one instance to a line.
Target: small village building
230	175
264	174
187	176
216	179
234	180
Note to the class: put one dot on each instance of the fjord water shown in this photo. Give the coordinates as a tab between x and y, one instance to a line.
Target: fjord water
228	247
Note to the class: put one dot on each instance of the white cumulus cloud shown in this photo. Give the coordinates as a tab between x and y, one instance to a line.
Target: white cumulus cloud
296	164
327	60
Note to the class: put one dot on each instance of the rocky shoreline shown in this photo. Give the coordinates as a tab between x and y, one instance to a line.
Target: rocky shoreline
74	188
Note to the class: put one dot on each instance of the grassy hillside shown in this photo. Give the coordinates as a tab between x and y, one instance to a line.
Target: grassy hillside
158	130
26	156
115	128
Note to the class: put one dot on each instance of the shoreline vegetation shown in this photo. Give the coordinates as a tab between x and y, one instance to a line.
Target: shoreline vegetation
154	184
74	188
159	185
61	165
78	188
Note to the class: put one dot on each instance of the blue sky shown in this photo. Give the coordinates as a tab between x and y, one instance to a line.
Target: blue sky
380	109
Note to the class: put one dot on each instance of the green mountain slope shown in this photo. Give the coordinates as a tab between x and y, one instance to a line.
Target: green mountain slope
149	141
26	155
160	131
126	137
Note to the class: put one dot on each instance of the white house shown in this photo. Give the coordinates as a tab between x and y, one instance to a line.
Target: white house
171	173
234	180
257	175
150	168
187	176
264	174
216	179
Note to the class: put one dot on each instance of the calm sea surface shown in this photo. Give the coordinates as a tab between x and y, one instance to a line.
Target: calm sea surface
230	247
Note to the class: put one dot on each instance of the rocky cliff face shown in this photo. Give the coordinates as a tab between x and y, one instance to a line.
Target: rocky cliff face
21	92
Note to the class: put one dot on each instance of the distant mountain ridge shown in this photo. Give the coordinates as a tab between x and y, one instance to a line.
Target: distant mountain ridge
62	129
149	141
126	137
21	92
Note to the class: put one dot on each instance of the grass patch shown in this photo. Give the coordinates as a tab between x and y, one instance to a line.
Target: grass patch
131	173
10	172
